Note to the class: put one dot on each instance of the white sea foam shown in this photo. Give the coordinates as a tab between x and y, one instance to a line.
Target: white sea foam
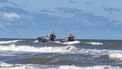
89	67
69	42
112	54
115	56
14	66
7	42
94	43
52	49
37	66
64	49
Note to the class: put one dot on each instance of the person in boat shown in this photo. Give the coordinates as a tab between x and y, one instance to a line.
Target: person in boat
42	39
52	36
39	39
64	40
71	37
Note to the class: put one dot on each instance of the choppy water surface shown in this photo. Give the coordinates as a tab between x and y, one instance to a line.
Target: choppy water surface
89	54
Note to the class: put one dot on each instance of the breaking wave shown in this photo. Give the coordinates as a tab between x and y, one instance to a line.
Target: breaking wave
94	43
88	67
69	42
39	66
11	41
49	49
112	54
115	56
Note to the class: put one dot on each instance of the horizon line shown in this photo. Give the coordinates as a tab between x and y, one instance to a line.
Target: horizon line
62	38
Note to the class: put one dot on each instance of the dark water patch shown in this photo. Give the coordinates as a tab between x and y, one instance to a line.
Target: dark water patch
106	60
63	62
35	61
5	59
8	44
47	61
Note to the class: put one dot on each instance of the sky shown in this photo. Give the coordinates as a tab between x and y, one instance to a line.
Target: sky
87	19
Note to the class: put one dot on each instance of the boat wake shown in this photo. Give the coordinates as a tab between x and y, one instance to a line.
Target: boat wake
68	42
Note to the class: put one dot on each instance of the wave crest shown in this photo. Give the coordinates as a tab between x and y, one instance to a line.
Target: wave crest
38	66
49	49
11	41
115	56
94	43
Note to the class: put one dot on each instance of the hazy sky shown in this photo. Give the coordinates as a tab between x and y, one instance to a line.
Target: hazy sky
87	19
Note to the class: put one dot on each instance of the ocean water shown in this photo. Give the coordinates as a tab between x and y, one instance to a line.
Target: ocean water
89	54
